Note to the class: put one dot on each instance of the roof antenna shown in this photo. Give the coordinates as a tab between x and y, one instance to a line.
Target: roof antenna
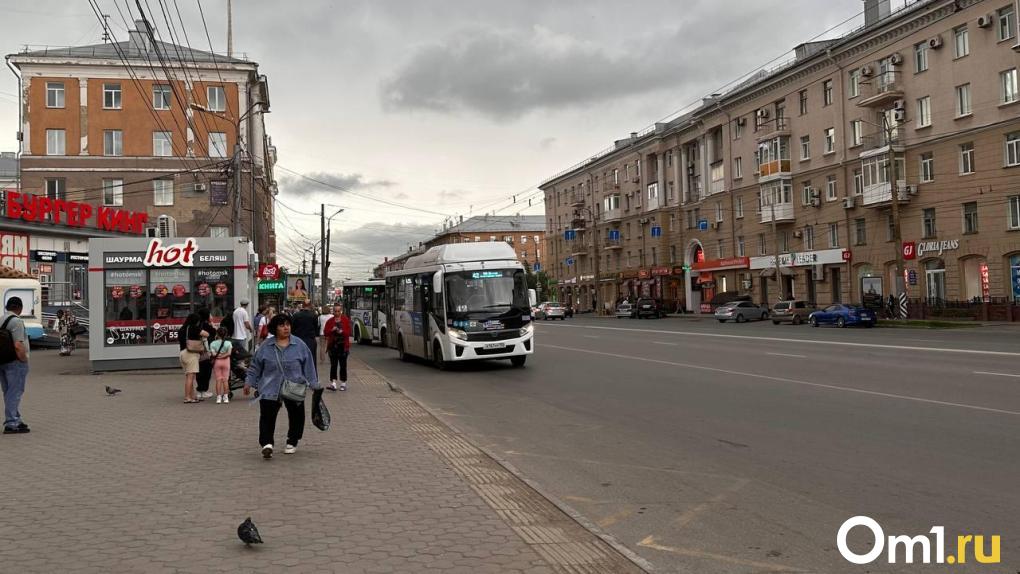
106	28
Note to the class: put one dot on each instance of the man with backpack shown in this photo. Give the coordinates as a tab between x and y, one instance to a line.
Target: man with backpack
13	365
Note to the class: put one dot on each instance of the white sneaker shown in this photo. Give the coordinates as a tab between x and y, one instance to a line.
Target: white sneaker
332	386
343	386
226	399
207	394
219	399
267	451
289	449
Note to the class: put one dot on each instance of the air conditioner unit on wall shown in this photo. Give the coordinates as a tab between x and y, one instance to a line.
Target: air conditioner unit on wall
741	122
895	59
935	43
166	226
763	113
848	202
867	71
985	21
715	225
815	194
798	234
816	202
912	189
900	115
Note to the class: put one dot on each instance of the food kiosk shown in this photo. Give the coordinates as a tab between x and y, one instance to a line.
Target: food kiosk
142	289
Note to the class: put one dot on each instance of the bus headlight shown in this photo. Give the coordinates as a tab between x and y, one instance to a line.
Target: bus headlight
527	329
457	334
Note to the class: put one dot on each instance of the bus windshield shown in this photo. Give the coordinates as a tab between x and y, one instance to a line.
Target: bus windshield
489	292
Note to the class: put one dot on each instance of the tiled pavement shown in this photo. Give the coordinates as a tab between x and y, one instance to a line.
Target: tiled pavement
143	483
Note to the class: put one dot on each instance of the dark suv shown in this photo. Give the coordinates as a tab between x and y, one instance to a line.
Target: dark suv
647	307
795	312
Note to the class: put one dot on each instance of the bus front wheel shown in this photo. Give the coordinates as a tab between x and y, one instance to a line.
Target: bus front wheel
519	360
437	356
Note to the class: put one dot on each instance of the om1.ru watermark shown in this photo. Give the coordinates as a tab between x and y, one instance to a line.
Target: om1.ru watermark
966	544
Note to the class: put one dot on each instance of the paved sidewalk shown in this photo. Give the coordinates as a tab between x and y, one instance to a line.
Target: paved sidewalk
143	483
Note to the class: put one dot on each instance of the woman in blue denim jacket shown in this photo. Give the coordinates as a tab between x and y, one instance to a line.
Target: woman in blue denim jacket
280	351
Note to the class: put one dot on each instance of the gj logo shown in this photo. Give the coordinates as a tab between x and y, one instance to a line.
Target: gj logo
909	250
910	544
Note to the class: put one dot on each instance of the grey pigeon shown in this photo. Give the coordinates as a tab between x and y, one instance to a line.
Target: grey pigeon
111	391
248	533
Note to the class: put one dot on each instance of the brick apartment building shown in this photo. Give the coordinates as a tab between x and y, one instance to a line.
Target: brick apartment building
525	233
791	165
142	134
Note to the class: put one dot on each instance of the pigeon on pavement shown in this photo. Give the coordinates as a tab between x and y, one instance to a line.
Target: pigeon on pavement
111	391
248	533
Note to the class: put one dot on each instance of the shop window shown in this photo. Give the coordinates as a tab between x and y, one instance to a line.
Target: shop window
1014	276
125	307
975	279
170	303
213	289
935	280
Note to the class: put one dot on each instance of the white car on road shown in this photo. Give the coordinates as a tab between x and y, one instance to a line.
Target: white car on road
552	310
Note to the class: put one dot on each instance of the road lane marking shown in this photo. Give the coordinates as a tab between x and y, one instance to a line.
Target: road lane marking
690	514
614	518
793	381
649	542
996	374
804	341
787	355
665	343
592	337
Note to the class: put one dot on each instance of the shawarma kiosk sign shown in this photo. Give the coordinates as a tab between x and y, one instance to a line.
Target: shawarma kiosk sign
171	255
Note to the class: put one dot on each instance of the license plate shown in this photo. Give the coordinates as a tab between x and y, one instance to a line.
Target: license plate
493	346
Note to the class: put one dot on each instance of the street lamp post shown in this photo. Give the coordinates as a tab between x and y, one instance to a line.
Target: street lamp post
325	222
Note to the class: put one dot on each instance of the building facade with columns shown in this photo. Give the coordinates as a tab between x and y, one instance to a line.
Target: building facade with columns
140	137
791	167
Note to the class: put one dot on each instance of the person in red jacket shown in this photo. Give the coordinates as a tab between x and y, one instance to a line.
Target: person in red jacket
338	343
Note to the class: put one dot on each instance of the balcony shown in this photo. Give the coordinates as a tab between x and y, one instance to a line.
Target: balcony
784	213
880	91
612	244
578	249
774	159
612	215
577	200
880	195
578	221
778	127
718	175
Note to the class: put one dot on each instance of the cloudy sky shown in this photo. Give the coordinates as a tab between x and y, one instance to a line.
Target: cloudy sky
428	109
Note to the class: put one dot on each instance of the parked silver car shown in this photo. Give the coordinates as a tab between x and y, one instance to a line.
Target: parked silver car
624	309
741	311
553	310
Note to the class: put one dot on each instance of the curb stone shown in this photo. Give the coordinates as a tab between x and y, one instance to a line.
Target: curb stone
574	515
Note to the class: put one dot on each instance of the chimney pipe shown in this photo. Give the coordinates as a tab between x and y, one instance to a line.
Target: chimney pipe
875	11
139	37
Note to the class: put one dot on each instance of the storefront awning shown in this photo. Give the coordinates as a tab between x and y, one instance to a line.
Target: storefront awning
771	272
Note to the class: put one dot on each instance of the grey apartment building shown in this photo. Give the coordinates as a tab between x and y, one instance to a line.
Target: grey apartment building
790	167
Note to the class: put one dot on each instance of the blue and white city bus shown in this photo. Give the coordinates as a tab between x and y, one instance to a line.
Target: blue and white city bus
461	302
363	303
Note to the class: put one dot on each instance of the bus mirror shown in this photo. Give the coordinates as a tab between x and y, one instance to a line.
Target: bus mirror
437	283
532	297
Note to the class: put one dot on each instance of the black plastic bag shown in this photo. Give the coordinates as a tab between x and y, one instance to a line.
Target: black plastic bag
320	414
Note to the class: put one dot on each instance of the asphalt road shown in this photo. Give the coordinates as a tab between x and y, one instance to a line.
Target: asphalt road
729	448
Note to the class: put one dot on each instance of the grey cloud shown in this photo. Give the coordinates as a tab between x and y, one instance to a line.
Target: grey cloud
375	241
547	143
294	186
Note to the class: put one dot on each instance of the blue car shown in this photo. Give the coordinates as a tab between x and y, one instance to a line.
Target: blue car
842	315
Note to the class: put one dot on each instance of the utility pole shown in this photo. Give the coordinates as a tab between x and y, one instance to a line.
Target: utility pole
311	285
237	189
775	241
329	232
894	195
322	224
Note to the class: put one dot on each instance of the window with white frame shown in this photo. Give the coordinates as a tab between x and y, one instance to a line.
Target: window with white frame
1008	86
805	147
831	193
1013	149
858	181
860	231
217	144
856	132
524	239
833	235
536	239
54	94
920	56
928	228
805	193
924	112
56	142
718	211
784	241
56	188
1007	23
111	96
161	97
803	102
653	192
966	158
963	106
219	231
970	217
638	167
827	92
762	250
719	252
830	140
162	144
616	176
738	167
927	167
738	128
739	202
163	192
113	142
113	192
217	99
1014	212
740	246
809	237
855	83
961	42
508	238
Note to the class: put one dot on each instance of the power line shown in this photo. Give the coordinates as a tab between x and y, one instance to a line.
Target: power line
352	192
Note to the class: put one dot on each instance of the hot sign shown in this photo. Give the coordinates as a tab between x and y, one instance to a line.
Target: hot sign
269	271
